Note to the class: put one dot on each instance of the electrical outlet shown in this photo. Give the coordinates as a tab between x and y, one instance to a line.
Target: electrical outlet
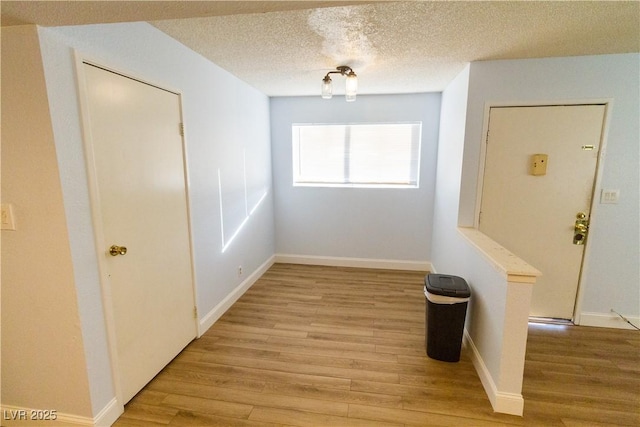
239	270
6	217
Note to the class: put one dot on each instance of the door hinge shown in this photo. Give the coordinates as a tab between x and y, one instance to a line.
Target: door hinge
195	312
181	129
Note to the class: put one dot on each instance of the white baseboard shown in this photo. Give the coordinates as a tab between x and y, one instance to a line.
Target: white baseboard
109	414
18	416
607	320
212	316
354	262
504	403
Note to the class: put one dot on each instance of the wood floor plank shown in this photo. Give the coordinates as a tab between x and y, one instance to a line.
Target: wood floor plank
238	334
323	346
372	313
602	403
417	418
421	391
439	379
159	414
305	419
569	410
568	422
325	329
397	341
259	374
388	366
208	406
471	407
311	350
230	350
149	397
180	373
377	399
300	368
401	351
251	398
583	385
257	330
123	421
196	419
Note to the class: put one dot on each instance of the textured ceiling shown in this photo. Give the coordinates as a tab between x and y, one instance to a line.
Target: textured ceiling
285	48
78	12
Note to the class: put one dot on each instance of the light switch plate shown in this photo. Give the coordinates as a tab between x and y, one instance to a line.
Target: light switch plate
609	196
6	217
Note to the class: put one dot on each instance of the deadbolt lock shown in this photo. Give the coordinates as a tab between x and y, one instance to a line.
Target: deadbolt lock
115	250
580	229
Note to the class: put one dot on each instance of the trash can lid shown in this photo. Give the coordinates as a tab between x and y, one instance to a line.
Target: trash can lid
443	284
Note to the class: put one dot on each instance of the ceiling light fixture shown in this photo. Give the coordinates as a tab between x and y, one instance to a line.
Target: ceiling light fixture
351	86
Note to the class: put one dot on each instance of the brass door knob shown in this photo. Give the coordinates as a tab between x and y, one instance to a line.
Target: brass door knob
580	229
116	250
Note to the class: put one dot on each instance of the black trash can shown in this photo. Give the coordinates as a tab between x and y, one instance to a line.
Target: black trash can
446	308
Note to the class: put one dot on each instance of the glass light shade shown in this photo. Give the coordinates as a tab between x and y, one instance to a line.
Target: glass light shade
352	84
327	89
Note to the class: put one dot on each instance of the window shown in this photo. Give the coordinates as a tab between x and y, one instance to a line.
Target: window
357	155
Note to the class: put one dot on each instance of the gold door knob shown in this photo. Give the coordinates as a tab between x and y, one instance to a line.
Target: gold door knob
580	229
115	250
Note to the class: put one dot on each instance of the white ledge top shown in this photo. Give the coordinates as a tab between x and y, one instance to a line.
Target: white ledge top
515	268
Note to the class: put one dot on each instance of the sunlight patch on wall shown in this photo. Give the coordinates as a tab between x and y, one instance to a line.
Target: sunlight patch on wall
226	245
247	212
221	210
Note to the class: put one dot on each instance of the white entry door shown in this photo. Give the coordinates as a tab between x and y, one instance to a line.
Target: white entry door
532	212
138	158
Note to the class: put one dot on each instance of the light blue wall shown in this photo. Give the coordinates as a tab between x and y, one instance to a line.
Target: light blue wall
227	129
366	223
451	254
611	276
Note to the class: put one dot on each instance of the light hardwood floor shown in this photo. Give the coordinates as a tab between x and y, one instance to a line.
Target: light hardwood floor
328	346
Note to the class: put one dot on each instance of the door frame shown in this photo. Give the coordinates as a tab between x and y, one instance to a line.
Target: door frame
593	208
96	212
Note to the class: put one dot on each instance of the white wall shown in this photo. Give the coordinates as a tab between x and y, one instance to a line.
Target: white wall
500	284
224	118
611	276
362	223
43	351
450	253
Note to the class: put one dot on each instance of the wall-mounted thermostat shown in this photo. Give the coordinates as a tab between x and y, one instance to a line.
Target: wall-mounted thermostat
539	164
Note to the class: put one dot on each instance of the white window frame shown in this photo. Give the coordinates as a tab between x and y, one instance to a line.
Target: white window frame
414	167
